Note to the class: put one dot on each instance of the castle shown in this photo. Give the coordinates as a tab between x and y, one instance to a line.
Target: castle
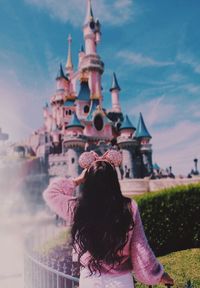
76	121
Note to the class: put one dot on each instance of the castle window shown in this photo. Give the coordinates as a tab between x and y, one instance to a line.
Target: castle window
66	112
98	122
70	112
73	160
86	109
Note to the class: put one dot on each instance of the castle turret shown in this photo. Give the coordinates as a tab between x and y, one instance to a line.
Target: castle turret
74	127
62	82
143	137
142	133
127	129
69	64
127	144
115	89
74	144
89	30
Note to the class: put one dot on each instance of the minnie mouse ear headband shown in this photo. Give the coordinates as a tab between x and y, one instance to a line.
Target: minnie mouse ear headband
111	156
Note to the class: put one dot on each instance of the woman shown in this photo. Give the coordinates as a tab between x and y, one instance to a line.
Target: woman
107	231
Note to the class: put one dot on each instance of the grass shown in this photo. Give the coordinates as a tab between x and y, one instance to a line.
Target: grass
182	266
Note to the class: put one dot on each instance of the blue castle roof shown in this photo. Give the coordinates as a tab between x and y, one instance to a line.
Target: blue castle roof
74	122
126	124
82	48
69	103
156	167
141	131
93	108
115	84
84	93
61	73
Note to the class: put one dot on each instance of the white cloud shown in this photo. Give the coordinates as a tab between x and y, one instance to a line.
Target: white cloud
131	57
20	106
175	142
115	13
176	134
189	60
194	109
192	88
155	111
177	145
176	77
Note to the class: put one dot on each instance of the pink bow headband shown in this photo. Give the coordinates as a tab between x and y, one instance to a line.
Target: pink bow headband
112	156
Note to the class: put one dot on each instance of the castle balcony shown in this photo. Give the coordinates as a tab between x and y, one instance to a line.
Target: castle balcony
146	147
92	61
96	139
126	142
72	140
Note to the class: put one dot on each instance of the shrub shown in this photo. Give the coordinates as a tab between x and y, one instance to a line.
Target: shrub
182	266
171	218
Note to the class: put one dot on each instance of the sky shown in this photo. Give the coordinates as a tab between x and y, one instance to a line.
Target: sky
153	46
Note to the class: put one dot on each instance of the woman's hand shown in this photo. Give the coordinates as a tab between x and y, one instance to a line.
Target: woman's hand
166	279
81	178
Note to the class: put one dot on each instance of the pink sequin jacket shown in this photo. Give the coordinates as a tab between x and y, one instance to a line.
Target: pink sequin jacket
137	255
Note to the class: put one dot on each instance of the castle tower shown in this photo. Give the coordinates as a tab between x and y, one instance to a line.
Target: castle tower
115	89
91	63
57	100
89	30
128	145
143	137
74	144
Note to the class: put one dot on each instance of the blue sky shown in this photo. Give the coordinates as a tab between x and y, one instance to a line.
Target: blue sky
153	46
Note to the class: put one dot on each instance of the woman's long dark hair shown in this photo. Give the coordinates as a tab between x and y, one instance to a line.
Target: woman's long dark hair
102	218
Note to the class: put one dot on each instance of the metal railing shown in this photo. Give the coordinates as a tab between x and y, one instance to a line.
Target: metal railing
44	271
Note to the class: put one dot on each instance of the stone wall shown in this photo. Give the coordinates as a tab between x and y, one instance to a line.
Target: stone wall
139	186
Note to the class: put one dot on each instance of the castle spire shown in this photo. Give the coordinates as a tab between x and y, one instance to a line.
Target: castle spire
69	64
89	13
115	85
61	74
115	89
141	131
127	124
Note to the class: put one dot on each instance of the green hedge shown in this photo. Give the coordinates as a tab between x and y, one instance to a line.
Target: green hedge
171	218
181	266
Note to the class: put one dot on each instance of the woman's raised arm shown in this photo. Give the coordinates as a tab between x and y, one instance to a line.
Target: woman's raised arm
59	196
